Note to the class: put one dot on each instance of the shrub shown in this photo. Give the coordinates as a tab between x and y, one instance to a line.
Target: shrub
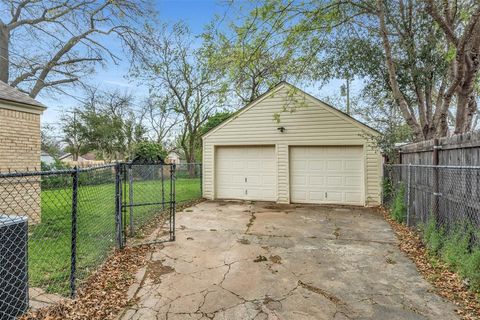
399	208
471	268
149	151
433	237
456	249
387	188
462	255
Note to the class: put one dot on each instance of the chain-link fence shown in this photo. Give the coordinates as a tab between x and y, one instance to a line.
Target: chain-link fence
189	178
448	194
148	200
57	227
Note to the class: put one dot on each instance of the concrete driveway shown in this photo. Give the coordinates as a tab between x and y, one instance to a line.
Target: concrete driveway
235	260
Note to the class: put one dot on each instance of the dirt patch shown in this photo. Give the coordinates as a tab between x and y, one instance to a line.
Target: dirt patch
260	258
322	292
251	221
276	259
104	294
448	284
243	241
156	269
336	233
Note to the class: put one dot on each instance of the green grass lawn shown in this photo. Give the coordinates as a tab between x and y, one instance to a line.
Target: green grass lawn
50	241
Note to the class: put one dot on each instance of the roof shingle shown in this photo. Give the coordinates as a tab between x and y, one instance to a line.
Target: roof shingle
8	93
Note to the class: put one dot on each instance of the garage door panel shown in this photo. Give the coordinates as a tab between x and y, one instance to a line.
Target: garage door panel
326	174
316	165
353	181
235	165
334	165
353	196
299	181
246	173
230	192
317	180
352	165
300	195
300	165
335	196
268	180
317	196
334	182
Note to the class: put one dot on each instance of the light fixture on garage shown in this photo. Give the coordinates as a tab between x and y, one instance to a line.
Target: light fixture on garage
281	129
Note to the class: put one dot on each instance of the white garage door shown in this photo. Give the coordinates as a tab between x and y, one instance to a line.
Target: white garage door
326	175
246	173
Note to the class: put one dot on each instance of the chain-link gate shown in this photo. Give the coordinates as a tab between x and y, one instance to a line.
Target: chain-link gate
147	205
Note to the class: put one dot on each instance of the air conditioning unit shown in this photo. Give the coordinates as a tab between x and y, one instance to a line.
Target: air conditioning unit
13	266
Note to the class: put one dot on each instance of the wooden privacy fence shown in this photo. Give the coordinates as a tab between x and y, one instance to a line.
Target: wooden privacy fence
458	150
440	179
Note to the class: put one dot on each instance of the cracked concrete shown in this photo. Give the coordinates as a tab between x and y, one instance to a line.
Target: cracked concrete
321	263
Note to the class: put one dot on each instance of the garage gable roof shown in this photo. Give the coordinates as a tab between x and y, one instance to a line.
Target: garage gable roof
313	99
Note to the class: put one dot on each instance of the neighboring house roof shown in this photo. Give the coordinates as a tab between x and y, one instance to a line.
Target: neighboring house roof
11	94
64	156
89	156
307	95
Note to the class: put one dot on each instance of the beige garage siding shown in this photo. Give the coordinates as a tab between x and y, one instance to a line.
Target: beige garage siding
311	124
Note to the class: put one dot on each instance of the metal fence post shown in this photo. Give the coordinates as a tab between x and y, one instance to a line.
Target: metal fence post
409	188
436	193
73	257
172	202
118	207
162	167
201	179
130	197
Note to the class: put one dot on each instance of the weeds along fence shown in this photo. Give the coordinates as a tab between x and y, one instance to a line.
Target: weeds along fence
448	194
57	227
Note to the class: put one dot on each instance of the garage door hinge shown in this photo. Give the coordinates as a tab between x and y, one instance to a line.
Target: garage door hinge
246	191
245	179
325	195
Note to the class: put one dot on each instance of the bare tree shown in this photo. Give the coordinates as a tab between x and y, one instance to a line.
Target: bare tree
45	44
171	66
160	116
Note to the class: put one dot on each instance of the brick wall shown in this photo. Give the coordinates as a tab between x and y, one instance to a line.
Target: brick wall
19	140
20	150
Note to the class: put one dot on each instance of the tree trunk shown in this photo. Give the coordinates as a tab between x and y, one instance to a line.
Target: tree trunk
191	158
4	53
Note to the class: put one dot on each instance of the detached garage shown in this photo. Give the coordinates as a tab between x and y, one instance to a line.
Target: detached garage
315	154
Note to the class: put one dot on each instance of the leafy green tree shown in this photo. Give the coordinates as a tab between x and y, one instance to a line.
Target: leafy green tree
214	121
149	151
174	69
49	142
72	131
416	54
249	56
211	123
107	123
